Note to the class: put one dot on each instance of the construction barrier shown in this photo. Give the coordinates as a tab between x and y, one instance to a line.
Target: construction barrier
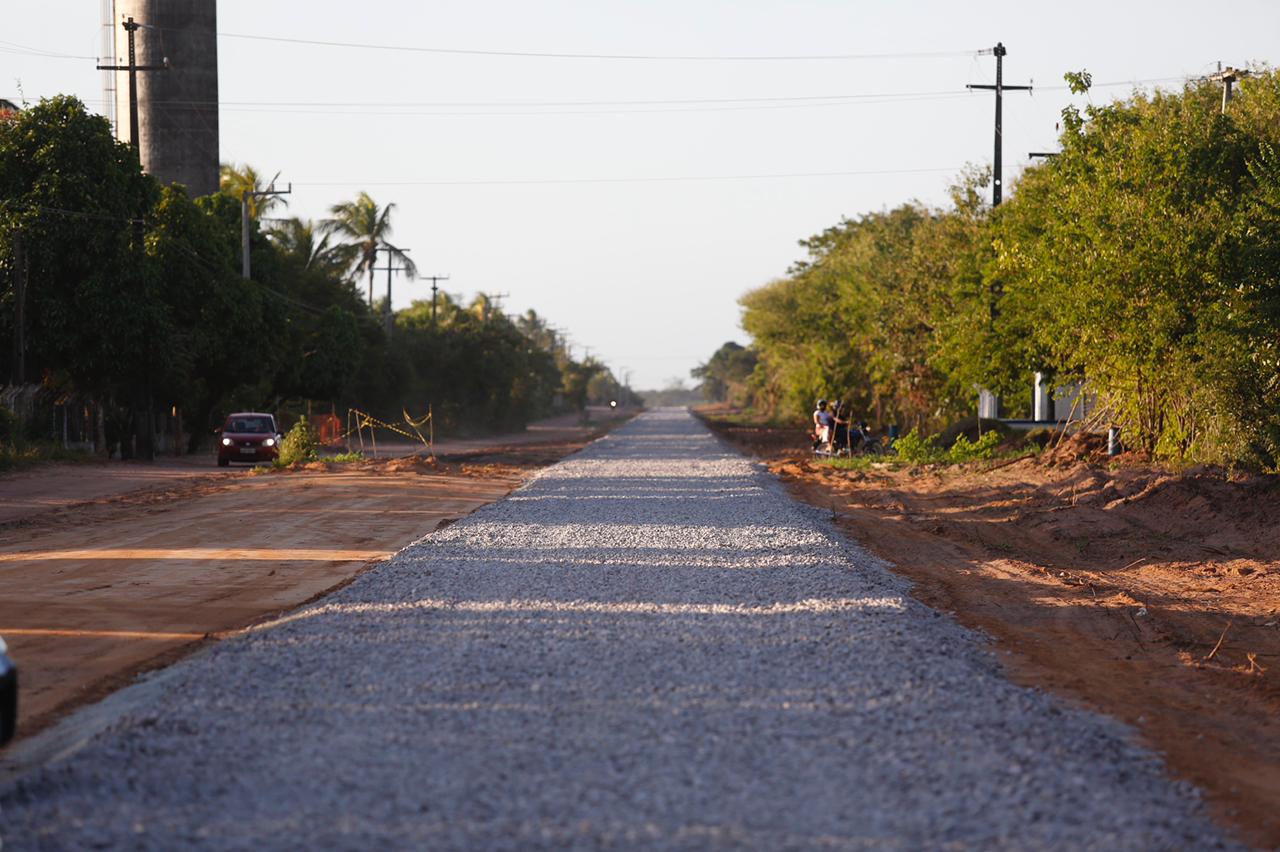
358	422
328	428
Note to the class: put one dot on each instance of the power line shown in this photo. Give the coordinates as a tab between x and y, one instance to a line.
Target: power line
80	214
525	54
550	112
463	109
639	101
22	49
655	179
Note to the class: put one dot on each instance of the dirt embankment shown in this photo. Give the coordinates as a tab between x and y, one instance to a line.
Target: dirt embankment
1149	595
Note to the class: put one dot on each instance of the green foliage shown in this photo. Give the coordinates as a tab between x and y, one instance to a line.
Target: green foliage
69	192
22	454
866	318
964	450
300	445
346	458
137	300
725	375
9	427
1144	260
859	463
1079	82
914	448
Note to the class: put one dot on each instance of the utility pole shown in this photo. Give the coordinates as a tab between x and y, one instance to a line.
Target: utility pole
434	279
388	318
244	220
1228	77
131	27
999	88
989	403
19	313
489	299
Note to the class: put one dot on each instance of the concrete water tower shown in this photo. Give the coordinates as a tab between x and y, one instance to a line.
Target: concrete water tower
177	107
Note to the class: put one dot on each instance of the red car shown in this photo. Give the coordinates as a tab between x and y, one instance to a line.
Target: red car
248	437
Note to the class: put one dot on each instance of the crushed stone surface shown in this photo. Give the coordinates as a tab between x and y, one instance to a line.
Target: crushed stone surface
649	645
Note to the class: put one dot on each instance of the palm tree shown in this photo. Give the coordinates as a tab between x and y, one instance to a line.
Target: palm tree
309	245
235	180
364	228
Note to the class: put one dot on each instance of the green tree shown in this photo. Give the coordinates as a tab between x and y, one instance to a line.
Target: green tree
90	313
238	180
725	374
363	229
308	246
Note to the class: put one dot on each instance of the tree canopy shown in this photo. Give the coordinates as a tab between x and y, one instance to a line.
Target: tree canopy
1141	261
134	299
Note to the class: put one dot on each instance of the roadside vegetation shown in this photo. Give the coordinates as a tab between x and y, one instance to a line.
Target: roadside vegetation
1143	261
124	298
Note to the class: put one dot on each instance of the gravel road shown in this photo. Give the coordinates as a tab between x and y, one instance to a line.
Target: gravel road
648	645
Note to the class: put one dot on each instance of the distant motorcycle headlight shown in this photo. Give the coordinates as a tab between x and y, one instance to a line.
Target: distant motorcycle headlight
226	442
270	442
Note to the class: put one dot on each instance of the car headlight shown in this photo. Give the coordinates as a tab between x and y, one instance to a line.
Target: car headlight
270	442
226	442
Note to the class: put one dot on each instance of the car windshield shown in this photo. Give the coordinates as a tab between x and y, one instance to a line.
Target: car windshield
250	424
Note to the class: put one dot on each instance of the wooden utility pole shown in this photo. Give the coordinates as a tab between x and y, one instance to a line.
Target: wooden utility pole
989	403
997	178
147	448
245	217
434	290
1228	77
19	312
489	299
132	27
388	317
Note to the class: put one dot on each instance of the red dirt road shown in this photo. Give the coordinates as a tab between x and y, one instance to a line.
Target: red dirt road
112	569
118	586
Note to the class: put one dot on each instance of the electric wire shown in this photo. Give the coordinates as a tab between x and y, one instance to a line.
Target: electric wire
526	54
22	49
481	109
625	180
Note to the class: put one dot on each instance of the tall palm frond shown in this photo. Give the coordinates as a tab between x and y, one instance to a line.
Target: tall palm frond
364	228
309	246
235	180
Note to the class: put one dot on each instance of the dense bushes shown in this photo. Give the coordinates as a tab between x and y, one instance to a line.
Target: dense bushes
1144	260
137	302
300	445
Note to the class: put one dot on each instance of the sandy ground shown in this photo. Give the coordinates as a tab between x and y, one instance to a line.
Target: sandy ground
59	485
108	570
1152	596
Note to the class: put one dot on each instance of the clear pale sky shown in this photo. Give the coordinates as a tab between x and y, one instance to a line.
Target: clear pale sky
645	272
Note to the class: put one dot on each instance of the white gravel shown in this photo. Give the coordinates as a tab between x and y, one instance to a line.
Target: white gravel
649	645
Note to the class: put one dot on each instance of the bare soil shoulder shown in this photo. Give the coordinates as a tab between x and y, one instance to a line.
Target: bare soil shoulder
98	590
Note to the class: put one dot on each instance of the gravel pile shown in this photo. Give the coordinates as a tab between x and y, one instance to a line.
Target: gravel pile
648	645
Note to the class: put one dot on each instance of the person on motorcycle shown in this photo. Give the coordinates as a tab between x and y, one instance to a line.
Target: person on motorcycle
840	416
822	422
